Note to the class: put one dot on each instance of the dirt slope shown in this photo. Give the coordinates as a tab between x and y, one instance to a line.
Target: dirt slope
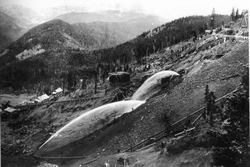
221	74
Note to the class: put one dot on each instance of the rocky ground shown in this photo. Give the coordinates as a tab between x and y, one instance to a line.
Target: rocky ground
212	61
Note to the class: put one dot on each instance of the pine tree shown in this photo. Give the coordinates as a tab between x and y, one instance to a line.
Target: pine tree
206	100
232	148
212	21
212	108
95	80
233	15
237	16
70	80
210	105
242	14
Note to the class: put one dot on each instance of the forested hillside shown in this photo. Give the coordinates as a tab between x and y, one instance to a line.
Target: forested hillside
63	62
161	37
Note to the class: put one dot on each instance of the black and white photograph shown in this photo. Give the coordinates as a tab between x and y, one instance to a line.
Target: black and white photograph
124	83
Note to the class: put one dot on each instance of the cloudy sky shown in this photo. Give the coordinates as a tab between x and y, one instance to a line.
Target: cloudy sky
170	9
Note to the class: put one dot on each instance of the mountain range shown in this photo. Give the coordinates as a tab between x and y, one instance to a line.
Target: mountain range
57	34
53	46
92	28
104	16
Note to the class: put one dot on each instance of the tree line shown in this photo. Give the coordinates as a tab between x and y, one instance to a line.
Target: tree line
67	67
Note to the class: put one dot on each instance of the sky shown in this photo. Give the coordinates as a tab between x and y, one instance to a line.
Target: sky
169	9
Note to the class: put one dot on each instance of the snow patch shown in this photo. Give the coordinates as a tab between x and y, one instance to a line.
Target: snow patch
31	52
4	52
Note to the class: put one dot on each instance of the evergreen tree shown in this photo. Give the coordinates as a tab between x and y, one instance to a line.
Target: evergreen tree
210	105
237	16
242	14
95	80
212	21
212	109
70	81
233	15
232	148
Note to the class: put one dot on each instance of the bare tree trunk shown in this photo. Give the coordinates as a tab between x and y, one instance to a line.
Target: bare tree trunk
95	77
63	80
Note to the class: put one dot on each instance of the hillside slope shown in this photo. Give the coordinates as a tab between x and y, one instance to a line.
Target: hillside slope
99	35
51	35
218	73
10	30
42	55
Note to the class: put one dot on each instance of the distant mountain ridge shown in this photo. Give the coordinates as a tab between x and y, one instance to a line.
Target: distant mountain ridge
24	15
56	35
52	13
94	35
113	27
16	16
105	16
10	30
109	34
